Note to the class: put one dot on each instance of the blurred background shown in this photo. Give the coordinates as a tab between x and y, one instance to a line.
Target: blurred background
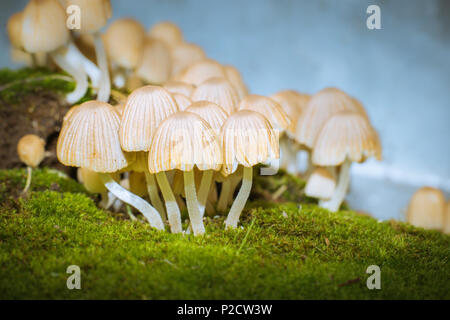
401	73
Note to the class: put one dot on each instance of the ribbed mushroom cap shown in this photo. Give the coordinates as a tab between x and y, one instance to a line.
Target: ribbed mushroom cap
31	150
179	87
14	28
211	113
320	108
182	101
168	32
185	55
89	138
268	108
137	183
145	109
201	71
234	76
44	26
247	138
427	208
293	104
91	180
346	134
156	65
94	14
446	228
321	184
219	91
124	41
182	141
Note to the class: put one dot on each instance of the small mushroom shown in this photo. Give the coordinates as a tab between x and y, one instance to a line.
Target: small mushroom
219	91
427	208
31	151
156	64
321	184
184	55
167	32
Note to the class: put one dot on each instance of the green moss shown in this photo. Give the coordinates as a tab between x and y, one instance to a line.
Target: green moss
284	251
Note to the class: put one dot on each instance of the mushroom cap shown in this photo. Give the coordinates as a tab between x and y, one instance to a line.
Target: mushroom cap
247	138
179	87
31	150
211	113
182	101
14	28
293	104
91	180
156	65
184	55
138	183
234	76
168	32
146	108
89	138
201	71
94	14
427	208
320	108
346	135
44	26
182	141
321	184
268	108
219	91
124	41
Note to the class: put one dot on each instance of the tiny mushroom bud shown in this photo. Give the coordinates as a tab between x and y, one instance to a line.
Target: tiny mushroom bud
321	184
31	151
427	208
219	91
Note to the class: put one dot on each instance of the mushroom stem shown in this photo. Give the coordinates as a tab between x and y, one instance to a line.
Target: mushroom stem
104	90
76	71
341	190
173	211
130	213
140	204
203	191
192	203
93	72
224	195
28	183
235	180
152	190
242	197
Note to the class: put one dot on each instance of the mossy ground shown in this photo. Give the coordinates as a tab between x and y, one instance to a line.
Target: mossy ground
284	251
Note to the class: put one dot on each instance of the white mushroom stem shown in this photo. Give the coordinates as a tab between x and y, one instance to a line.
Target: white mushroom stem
192	203
235	180
104	90
341	190
152	190
75	69
224	195
140	204
242	197
28	183
173	211
93	72
107	200
203	191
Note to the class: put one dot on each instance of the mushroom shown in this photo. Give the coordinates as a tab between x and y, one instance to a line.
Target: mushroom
179	87
184	55
89	138
321	184
145	109
183	141
182	101
234	76
167	32
346	137
219	91
156	65
201	71
247	139
17	53
427	208
31	151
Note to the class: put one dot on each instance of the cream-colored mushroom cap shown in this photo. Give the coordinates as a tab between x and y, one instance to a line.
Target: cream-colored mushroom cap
168	32
268	108
247	138
146	107
182	141
346	135
94	14
156	65
211	113
201	71
89	138
293	104
44	26
234	76
182	101
185	55
31	150
427	208
179	87
14	28
320	108
321	184
124	41
219	91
